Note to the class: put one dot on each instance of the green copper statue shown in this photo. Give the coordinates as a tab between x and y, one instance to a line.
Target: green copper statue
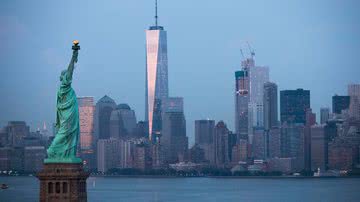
63	147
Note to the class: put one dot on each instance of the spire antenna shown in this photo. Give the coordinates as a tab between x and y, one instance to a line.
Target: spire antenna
156	15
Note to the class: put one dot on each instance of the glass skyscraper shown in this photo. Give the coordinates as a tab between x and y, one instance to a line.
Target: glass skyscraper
86	116
156	76
242	99
293	105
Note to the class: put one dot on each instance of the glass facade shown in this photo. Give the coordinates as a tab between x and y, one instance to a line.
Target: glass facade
86	116
242	99
293	105
103	110
259	75
156	76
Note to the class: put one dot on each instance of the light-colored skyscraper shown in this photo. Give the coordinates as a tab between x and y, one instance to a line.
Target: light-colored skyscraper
86	116
250	83
156	75
259	75
108	154
318	148
87	135
324	115
354	93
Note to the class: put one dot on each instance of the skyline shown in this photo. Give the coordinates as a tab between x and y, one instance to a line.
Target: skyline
215	68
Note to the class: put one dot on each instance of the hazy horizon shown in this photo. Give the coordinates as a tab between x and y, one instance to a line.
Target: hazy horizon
306	44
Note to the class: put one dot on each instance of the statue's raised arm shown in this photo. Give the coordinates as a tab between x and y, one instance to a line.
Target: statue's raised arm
74	59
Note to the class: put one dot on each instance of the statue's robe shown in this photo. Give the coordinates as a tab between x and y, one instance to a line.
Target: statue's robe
63	147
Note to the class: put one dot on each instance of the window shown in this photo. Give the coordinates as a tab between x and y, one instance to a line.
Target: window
65	187
50	188
57	187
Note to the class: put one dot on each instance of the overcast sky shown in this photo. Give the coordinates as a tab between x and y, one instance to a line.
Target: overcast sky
307	44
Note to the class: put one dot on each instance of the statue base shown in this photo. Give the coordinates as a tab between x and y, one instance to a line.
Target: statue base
63	182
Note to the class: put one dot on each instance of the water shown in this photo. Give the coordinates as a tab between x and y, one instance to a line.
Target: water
198	189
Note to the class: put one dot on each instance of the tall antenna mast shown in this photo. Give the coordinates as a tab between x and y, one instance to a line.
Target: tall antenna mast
156	16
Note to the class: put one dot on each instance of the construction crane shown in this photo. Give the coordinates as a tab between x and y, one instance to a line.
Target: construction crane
242	53
252	52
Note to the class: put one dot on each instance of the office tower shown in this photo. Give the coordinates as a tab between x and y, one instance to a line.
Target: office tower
274	137
292	143
197	154
128	118
270	113
3	137
173	134
33	158
32	140
331	129
324	115
310	117
142	156
232	141
354	93
354	90
204	131
307	142
141	129
86	116
340	103
270	105
108	154
209	152
259	75
157	155
341	156
12	158
318	148
122	122
103	110
5	158
293	105
116	125
204	134
44	130
87	131
17	131
239	151
156	75
126	153
221	144
242	99
258	146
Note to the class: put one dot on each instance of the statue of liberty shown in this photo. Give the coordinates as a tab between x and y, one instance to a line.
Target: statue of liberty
63	147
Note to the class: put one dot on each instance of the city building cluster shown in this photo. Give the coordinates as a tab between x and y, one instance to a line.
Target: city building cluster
263	140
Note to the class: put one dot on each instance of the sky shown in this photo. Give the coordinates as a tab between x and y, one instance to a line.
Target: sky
307	44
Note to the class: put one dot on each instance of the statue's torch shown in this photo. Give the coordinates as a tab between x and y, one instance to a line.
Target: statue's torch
76	45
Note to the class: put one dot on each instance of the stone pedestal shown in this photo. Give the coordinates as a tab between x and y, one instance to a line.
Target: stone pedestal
63	182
